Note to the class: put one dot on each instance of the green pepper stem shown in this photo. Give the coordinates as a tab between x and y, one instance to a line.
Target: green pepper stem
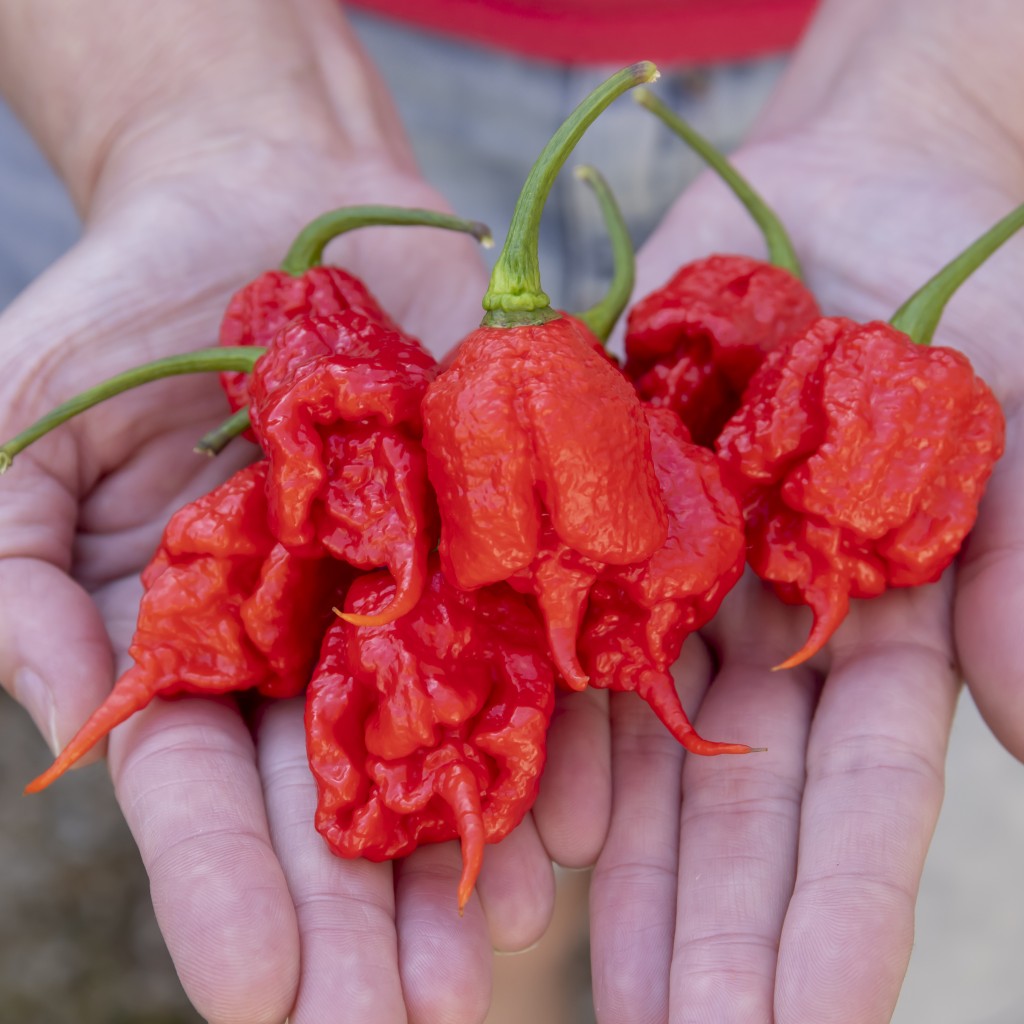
515	295
780	247
919	316
602	317
214	442
308	248
237	358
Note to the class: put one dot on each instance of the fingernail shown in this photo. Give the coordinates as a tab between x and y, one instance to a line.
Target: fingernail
37	699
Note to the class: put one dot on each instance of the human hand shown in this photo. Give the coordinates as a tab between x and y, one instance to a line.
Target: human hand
261	920
781	886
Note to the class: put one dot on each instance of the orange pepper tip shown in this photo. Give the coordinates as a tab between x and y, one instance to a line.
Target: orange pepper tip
457	786
405	598
821	632
54	772
709	748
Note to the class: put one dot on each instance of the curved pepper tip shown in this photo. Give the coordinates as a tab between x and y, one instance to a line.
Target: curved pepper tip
408	591
40	782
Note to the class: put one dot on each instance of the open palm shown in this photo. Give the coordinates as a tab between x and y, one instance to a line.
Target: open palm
260	918
781	887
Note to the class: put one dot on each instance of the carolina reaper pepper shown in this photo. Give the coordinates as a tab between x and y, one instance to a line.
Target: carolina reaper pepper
336	409
303	286
693	344
226	608
431	727
529	424
863	453
622	627
638	616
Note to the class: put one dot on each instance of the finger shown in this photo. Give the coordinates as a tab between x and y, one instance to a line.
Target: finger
59	683
444	959
874	787
738	837
574	803
345	908
517	889
990	599
186	779
632	894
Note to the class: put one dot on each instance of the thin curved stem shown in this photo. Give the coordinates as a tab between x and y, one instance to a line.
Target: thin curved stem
232	358
515	294
602	317
780	247
919	316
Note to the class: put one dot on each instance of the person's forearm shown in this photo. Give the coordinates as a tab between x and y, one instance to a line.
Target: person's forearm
93	80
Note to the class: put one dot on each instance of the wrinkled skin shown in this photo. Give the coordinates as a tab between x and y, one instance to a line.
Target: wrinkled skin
699	908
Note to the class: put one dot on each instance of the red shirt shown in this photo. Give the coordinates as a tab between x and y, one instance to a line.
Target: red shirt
612	31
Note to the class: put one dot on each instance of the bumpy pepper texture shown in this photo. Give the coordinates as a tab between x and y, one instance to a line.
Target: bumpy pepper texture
336	409
638	616
431	727
530	420
862	458
226	608
692	345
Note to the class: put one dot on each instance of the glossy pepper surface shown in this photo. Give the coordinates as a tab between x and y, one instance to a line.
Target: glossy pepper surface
431	727
336	408
529	425
863	458
225	608
303	286
637	617
692	345
533	421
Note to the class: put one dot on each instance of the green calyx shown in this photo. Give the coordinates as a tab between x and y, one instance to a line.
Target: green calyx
239	358
308	248
602	317
515	281
780	247
919	316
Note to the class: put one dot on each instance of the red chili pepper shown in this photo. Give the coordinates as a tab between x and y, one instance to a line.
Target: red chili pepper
693	344
225	609
336	408
304	287
431	727
638	616
528	419
863	456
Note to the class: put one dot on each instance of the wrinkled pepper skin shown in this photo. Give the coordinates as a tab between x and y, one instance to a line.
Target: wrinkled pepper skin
225	609
692	345
638	616
261	308
336	408
862	459
530	420
431	727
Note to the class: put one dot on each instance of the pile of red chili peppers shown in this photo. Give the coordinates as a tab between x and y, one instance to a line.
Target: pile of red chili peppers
428	554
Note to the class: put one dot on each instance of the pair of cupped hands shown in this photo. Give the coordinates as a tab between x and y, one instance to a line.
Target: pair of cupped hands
778	886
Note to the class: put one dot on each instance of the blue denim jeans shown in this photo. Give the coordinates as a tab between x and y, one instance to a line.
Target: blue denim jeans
477	119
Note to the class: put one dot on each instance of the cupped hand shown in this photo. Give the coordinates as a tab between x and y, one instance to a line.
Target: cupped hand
261	920
780	887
